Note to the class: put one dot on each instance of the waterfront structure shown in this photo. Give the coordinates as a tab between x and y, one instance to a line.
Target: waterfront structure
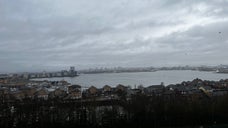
64	73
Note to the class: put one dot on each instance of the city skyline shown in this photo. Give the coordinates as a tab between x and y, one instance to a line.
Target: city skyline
51	35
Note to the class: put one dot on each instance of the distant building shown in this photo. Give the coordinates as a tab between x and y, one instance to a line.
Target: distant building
58	74
106	90
65	73
43	74
154	90
42	94
25	75
74	87
75	94
92	90
121	87
72	72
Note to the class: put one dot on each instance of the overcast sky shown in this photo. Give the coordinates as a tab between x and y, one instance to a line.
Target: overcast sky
37	35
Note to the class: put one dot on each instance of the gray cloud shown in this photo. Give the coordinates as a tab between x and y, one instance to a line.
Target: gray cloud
49	35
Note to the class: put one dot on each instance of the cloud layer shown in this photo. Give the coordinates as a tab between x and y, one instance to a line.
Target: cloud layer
51	35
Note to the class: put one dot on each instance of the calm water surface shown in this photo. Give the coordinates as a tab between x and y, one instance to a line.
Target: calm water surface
139	78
